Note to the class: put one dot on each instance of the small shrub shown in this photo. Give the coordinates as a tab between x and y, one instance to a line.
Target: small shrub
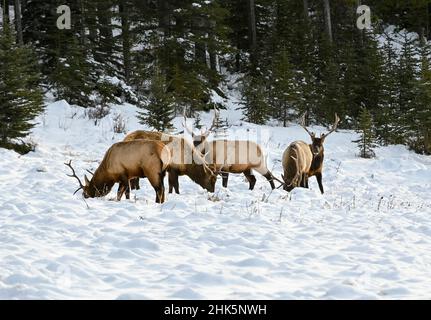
119	124
97	113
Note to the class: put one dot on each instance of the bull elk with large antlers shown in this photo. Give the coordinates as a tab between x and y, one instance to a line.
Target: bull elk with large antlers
302	161
125	161
185	160
232	156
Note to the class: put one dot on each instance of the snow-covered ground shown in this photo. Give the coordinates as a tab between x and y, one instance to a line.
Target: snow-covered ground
369	236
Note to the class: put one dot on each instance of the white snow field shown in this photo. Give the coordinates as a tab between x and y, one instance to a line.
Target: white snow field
367	237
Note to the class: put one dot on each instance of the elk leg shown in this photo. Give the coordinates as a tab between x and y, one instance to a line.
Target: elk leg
225	177
128	188
319	181
134	184
173	182
251	179
121	189
304	181
268	177
162	184
160	189
124	187
156	180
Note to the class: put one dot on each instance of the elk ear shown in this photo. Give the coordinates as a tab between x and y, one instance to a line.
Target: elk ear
87	182
322	137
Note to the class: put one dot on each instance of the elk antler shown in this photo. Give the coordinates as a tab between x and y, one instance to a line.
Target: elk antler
295	181
207	169
312	134
214	123
73	175
334	126
185	123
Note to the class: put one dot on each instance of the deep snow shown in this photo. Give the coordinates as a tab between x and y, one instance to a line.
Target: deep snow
369	236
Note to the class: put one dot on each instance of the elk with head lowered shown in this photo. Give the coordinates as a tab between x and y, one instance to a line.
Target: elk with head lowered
302	161
185	160
232	156
125	161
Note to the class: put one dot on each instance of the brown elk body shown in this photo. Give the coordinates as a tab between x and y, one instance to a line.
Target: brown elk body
125	161
232	156
237	156
185	160
302	161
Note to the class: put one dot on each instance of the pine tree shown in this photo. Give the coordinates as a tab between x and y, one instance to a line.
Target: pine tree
70	75
284	91
365	128
408	88
159	111
420	116
389	108
21	97
255	107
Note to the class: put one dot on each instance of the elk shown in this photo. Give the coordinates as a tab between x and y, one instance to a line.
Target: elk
186	160
302	161
232	156
123	162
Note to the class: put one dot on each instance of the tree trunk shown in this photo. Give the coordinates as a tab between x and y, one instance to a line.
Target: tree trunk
252	28
428	9
306	11
213	60
81	22
164	20
104	16
164	26
327	13
211	47
200	48
5	7
125	35
18	22
90	21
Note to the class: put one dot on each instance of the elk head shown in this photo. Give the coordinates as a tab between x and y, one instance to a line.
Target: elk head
203	174
210	179
198	140
89	189
317	142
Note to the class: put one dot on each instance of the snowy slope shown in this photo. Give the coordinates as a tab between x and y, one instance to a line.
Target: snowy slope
368	237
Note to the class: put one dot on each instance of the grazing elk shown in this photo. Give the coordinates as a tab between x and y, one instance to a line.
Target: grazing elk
186	160
125	161
232	156
302	161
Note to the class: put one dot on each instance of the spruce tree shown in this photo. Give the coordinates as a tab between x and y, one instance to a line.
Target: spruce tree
365	128
255	106
420	117
284	91
159	112
21	98
389	109
70	76
408	88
